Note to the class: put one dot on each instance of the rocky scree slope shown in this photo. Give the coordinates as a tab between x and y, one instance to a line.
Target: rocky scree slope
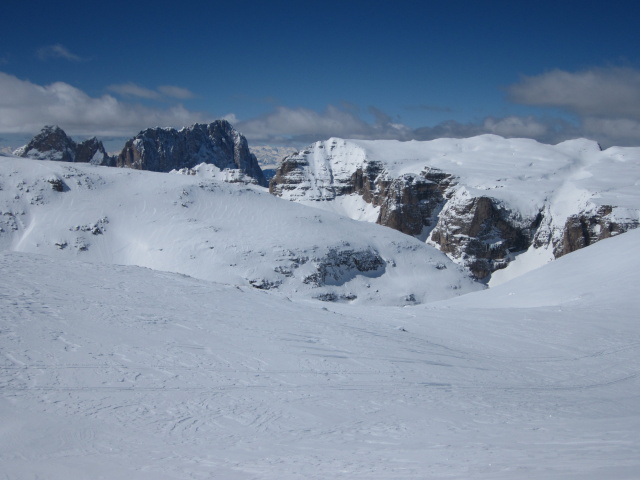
481	200
52	143
166	149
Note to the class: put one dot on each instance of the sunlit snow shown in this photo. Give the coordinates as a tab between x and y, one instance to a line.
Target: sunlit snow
134	345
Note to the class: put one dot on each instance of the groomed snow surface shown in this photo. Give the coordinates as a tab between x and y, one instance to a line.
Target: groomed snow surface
119	371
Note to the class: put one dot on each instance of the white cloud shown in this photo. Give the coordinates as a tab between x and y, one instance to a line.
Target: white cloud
57	51
305	125
133	90
300	125
606	102
231	118
175	92
514	126
601	92
612	131
26	107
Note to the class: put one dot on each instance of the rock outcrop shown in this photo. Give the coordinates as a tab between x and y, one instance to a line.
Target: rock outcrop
52	143
166	149
482	232
592	224
481	201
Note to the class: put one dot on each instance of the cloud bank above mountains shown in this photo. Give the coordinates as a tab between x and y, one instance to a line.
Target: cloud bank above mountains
599	103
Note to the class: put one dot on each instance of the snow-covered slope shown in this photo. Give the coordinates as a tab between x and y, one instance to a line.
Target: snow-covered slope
481	199
124	372
199	226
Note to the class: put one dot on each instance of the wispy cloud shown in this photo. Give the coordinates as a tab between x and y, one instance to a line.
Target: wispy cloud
606	101
164	91
599	92
613	118
175	92
26	107
57	51
133	90
304	125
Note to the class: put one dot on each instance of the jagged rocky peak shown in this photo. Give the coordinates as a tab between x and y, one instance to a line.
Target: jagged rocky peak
52	143
166	149
481	200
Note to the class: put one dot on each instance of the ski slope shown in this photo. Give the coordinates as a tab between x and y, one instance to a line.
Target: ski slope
126	372
137	342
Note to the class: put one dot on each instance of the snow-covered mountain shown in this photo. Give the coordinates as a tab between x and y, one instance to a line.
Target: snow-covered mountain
52	143
481	200
166	149
230	233
157	150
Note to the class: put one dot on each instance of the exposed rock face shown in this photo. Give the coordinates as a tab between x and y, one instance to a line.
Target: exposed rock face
480	219
166	149
407	203
52	143
582	229
341	264
92	151
411	202
482	232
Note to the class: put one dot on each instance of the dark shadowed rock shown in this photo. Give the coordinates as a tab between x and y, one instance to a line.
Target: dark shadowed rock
52	143
166	149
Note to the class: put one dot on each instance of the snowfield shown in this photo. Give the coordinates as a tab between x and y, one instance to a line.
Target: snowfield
136	342
203	227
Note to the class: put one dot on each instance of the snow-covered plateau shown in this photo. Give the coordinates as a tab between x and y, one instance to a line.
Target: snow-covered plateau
483	200
167	326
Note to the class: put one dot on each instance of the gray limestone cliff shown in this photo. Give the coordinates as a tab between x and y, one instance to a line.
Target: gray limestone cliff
166	149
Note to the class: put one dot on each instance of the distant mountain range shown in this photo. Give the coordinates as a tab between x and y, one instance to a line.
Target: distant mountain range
155	149
487	202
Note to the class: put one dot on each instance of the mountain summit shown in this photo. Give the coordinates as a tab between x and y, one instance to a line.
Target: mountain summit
166	149
52	143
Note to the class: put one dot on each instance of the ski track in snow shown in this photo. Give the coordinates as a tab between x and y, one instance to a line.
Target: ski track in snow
111	371
122	371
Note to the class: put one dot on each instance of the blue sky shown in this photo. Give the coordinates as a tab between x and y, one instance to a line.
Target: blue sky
299	71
